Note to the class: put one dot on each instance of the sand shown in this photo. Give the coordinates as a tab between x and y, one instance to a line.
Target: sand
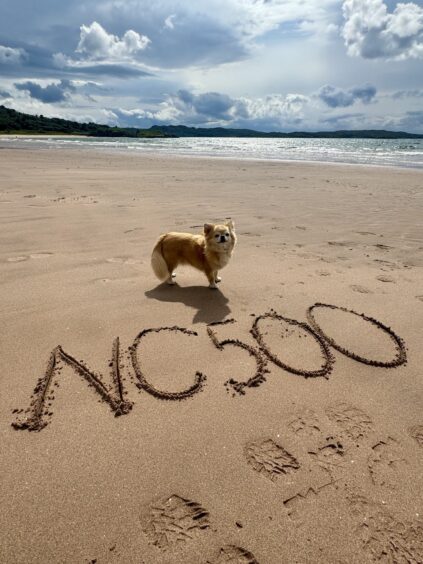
291	437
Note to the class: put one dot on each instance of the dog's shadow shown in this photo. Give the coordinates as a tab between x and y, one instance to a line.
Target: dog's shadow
211	305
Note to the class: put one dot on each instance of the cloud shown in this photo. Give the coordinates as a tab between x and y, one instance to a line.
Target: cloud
169	22
210	105
411	121
400	94
96	44
371	32
346	121
217	109
11	56
4	94
336	97
50	94
78	67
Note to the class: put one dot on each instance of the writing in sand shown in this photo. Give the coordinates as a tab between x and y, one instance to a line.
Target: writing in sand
39	412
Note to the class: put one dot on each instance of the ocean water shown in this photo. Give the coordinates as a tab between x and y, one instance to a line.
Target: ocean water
382	152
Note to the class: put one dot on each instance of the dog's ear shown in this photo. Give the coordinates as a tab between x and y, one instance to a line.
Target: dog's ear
231	225
208	227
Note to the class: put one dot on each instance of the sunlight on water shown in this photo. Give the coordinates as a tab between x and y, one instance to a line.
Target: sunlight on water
384	152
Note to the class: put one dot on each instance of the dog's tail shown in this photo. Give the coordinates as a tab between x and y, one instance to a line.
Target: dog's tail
158	263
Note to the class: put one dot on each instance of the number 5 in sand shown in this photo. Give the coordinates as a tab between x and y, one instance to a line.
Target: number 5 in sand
261	362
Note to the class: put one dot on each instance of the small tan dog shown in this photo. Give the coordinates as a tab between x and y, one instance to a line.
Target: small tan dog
209	252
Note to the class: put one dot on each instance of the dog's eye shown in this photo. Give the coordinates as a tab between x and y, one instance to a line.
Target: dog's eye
226	234
217	236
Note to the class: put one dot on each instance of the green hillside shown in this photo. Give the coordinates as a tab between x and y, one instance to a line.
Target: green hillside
18	122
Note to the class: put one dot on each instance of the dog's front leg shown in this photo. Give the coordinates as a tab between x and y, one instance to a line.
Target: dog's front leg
212	280
217	278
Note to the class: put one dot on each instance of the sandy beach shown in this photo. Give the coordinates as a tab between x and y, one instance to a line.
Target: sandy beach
288	443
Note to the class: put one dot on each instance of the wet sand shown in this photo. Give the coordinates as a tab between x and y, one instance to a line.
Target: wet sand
154	424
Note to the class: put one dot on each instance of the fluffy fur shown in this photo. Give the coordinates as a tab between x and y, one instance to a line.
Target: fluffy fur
208	252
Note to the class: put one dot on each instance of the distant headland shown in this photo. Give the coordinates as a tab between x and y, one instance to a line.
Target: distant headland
13	122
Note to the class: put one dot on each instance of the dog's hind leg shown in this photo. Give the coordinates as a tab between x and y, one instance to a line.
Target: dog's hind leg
216	277
172	274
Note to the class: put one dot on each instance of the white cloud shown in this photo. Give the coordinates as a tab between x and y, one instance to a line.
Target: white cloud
169	22
10	56
276	107
371	32
255	18
97	44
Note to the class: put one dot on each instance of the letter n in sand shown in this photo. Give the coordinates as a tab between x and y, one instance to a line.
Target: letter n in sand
39	413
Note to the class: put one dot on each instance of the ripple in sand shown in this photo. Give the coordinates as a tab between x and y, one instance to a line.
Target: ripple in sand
17	259
40	255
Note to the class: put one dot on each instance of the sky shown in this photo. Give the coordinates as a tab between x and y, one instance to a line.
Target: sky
270	65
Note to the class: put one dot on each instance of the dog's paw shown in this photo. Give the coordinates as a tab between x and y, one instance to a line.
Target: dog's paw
173	274
213	286
171	281
218	279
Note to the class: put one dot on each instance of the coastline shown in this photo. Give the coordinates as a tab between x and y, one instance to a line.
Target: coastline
77	229
332	151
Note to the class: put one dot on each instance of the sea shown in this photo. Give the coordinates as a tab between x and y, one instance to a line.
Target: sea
377	152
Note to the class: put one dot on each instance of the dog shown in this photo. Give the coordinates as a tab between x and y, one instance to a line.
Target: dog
209	252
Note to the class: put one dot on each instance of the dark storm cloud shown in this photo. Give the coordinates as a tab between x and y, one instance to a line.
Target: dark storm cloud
337	97
211	105
50	94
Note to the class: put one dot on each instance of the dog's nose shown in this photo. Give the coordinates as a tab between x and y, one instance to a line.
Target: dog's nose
222	239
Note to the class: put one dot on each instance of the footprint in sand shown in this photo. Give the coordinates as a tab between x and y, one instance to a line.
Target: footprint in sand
173	520
330	455
386	463
383	536
298	504
354	422
384	278
270	459
420	298
416	433
305	423
360	289
233	555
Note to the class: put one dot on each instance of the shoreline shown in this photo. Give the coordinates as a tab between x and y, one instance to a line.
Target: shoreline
149	151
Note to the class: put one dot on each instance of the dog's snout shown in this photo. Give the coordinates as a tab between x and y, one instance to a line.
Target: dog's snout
222	239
